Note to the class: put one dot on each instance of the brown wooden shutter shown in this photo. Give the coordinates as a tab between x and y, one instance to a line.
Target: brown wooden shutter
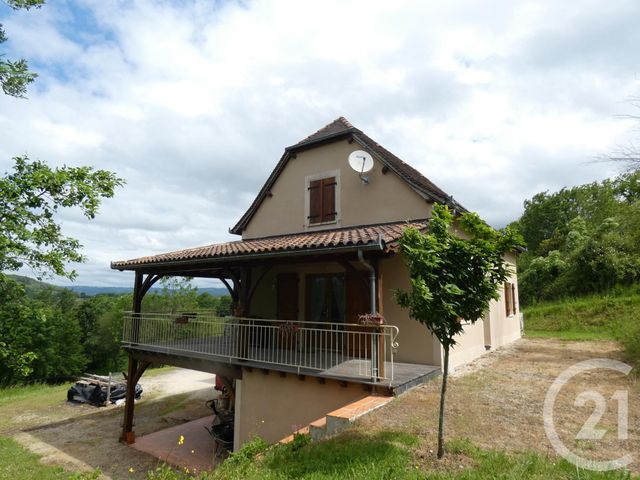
315	201
328	199
322	200
513	297
507	302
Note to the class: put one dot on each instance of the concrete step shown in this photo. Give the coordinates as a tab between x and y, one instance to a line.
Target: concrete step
318	429
338	420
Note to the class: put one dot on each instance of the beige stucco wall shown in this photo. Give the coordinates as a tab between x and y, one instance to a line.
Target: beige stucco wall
274	407
505	329
416	343
385	199
469	345
494	330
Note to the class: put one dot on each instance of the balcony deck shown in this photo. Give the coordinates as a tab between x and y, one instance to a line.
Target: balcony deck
335	351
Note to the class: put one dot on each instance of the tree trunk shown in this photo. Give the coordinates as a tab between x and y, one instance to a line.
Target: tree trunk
443	392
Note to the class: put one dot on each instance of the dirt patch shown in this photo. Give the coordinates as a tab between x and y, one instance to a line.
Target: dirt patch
497	402
82	437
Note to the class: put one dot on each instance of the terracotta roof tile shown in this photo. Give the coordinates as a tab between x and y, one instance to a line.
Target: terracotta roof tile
389	233
339	125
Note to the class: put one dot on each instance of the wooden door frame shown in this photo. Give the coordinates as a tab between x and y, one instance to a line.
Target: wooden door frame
297	278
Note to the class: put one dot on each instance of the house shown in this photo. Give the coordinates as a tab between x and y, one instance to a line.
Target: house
319	249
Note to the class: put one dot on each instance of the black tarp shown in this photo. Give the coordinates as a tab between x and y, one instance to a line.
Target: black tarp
97	395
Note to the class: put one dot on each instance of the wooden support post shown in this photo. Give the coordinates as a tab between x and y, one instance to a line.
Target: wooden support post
136	307
128	436
134	373
135	370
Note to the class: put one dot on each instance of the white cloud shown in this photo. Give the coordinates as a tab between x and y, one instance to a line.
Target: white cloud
193	102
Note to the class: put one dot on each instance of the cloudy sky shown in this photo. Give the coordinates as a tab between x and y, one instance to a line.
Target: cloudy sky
192	102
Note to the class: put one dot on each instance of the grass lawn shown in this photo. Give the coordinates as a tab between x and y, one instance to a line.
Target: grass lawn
597	317
17	463
392	455
594	317
16	403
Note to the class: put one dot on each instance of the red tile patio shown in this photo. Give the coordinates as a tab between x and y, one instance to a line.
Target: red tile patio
195	454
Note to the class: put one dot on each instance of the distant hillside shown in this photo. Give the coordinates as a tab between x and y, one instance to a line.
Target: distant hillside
34	286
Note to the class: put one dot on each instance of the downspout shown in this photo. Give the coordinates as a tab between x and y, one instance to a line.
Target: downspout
372	280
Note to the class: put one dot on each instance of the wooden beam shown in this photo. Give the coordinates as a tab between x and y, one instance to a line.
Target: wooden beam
148	283
142	366
266	270
137	290
243	293
189	362
232	292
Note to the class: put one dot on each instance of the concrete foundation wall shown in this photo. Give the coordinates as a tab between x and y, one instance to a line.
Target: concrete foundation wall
274	407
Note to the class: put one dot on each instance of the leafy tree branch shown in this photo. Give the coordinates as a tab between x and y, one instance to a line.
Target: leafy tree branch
30	196
15	75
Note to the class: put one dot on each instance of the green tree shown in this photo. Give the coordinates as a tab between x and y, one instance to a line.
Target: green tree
453	278
40	339
582	239
177	295
15	75
30	197
225	306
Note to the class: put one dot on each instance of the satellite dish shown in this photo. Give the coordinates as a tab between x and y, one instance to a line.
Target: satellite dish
362	163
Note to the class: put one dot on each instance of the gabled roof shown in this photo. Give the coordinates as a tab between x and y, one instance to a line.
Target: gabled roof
383	236
339	129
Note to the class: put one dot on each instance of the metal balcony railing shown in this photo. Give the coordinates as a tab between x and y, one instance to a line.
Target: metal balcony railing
332	349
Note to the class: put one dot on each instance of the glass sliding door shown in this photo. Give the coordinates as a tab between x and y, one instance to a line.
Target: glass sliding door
325	302
325	298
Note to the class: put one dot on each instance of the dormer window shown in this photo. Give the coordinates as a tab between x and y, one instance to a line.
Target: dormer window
322	194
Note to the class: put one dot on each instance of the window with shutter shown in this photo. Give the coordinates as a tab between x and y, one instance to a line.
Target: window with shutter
322	200
508	301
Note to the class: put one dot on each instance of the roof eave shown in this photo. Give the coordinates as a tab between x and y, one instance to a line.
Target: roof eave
324	139
426	194
373	245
